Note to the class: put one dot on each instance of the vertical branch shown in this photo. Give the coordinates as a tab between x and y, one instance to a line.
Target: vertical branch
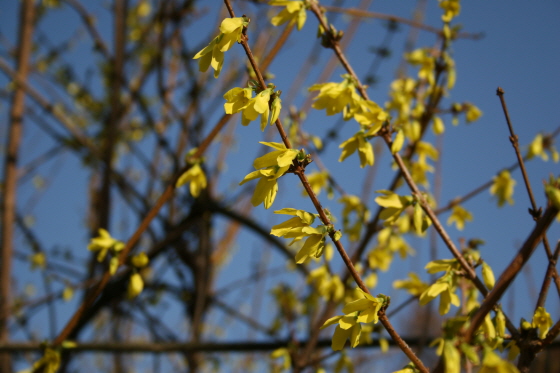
26	26
533	210
110	130
515	143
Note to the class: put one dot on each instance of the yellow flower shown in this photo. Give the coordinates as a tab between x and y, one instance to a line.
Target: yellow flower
414	286
231	29
135	285
294	12
283	353
276	107
267	187
103	243
367	113
335	97
492	363
459	216
329	287
237	99
358	142
451	8
353	204
488	276
38	260
503	188
272	165
367	308
543	321
394	205
257	106
427	64
140	260
347	328
213	53
473	113
540	145
195	175
445	286
319	181
363	310
49	363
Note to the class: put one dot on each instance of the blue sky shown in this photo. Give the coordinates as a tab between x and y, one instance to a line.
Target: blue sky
519	52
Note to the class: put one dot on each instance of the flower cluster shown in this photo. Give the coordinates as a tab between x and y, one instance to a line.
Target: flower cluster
196	177
213	54
270	167
298	228
363	310
241	99
502	188
294	11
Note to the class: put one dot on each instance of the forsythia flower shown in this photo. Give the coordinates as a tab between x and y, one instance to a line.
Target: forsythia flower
451	8
49	363
283	353
257	106
335	97
329	287
427	64
213	53
38	260
361	144
272	166
240	99
444	287
353	204
488	276
543	321
473	113
394	205
140	260
135	285
347	328
298	228
294	12
197	180
538	147
503	188
237	99
459	216
492	363
103	243
414	286
319	181
363	310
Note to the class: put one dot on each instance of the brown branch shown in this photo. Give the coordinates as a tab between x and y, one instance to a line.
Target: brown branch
512	270
515	143
534	211
8	207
